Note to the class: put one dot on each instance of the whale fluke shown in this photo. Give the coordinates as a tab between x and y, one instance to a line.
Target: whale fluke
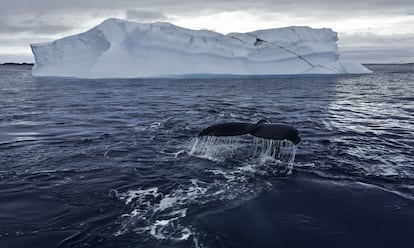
262	129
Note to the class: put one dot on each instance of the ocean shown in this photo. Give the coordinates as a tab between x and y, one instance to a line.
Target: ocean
111	162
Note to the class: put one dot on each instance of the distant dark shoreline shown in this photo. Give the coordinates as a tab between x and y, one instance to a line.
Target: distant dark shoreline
12	63
26	64
411	63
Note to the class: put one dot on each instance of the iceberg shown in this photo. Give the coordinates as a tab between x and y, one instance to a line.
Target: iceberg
124	49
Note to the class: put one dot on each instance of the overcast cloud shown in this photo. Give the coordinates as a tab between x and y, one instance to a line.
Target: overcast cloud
370	30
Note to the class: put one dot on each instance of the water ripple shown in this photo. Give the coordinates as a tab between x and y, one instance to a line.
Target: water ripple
103	162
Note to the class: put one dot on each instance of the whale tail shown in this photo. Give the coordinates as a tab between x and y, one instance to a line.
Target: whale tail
262	129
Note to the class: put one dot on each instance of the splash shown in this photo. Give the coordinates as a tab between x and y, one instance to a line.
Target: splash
246	149
217	148
163	212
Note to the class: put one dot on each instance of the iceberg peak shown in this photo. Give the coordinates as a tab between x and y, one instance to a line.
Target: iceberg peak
119	48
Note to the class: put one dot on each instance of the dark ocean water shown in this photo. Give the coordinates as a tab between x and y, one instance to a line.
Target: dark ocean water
105	163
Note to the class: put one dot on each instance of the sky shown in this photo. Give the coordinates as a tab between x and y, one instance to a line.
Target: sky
369	31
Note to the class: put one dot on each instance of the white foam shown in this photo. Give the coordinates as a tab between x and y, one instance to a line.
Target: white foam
160	213
133	194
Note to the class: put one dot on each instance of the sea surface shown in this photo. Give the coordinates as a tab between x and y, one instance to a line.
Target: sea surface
111	162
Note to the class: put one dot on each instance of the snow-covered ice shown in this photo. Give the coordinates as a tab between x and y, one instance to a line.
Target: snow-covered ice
123	49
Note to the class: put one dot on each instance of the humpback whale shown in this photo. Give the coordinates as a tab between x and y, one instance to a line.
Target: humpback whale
262	129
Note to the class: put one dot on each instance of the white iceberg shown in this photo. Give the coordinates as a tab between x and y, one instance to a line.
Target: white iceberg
123	49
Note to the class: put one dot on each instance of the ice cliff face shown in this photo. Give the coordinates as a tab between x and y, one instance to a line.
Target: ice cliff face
117	48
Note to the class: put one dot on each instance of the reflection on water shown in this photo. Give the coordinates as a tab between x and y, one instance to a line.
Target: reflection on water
374	119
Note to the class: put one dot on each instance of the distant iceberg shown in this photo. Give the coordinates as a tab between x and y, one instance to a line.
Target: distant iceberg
123	49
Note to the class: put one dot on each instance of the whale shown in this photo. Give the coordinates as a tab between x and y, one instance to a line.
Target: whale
262	129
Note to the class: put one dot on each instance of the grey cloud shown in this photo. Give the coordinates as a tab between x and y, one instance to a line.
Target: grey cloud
19	57
33	25
302	11
34	29
144	15
379	56
370	39
374	48
41	18
22	41
185	7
